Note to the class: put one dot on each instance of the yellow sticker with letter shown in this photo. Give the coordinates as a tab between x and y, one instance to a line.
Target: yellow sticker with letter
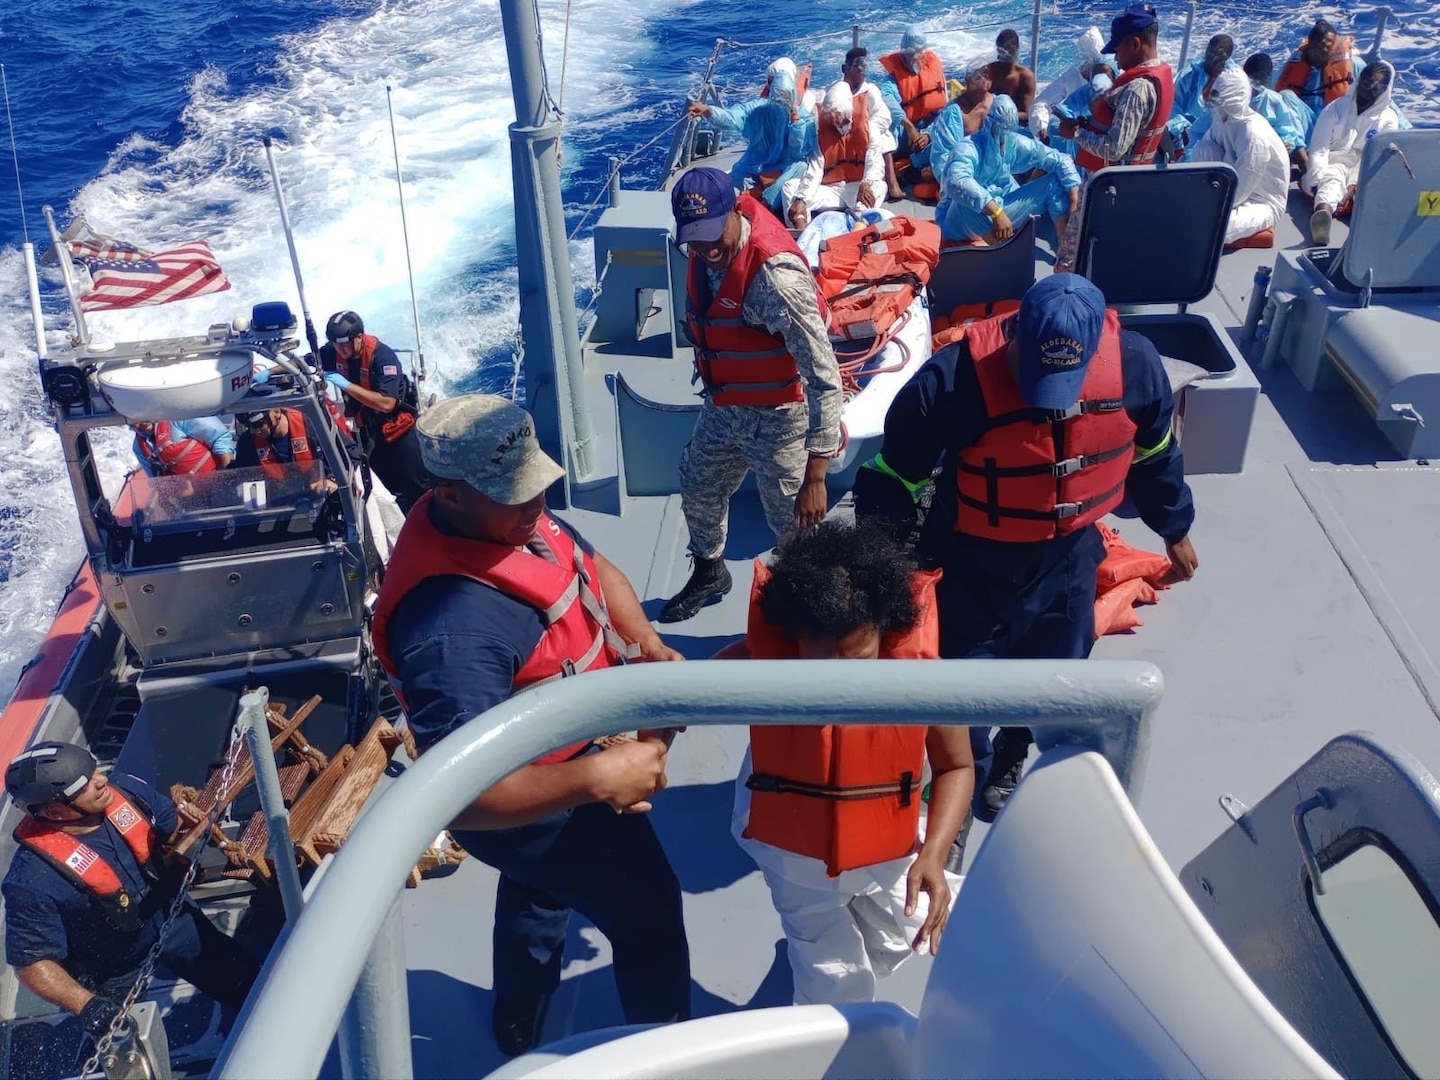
1429	204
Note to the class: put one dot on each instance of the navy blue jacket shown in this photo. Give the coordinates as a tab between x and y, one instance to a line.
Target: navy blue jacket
50	917
941	411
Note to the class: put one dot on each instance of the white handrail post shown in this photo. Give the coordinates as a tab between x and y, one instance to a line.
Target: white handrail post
1185	41
1035	36
256	730
375	1031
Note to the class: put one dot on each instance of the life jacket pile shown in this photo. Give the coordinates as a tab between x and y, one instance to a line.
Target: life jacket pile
83	866
922	93
169	456
845	154
563	585
391	426
302	447
1012	484
871	277
846	795
1147	142
740	364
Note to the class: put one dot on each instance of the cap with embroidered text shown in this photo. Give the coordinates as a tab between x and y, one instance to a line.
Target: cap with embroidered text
701	200
488	442
1135	19
1059	326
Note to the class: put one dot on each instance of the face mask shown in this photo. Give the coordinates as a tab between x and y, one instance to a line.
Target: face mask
1005	56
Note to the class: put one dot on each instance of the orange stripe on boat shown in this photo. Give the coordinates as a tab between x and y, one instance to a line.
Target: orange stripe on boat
43	675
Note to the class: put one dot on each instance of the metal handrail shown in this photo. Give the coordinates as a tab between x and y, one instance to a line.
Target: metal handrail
288	1026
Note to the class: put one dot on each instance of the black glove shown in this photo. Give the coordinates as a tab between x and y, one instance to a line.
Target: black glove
95	1017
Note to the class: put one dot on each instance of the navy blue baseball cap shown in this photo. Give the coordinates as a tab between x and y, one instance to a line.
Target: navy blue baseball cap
701	200
1061	319
1134	19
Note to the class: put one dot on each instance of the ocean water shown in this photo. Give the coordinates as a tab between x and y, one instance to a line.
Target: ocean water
147	116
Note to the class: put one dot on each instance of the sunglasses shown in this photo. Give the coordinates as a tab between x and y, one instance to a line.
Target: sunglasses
259	421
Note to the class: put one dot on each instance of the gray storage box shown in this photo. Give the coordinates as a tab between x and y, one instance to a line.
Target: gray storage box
1125	212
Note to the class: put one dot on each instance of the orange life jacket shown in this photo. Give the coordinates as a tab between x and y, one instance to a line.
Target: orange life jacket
563	585
740	364
82	865
845	154
846	795
1012	484
170	456
1335	77
302	447
872	276
922	93
1147	142
391	425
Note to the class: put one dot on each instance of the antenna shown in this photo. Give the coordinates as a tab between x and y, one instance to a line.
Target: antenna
405	232
290	240
28	248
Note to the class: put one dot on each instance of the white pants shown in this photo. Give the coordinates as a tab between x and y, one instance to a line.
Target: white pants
843	932
1249	218
1331	182
831	196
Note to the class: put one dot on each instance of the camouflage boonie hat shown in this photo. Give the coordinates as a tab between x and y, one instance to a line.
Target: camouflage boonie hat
489	443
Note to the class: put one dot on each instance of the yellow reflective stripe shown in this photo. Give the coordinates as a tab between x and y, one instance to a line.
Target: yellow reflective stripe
880	465
1141	453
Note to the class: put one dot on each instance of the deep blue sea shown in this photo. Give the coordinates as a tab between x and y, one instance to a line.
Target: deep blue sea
147	115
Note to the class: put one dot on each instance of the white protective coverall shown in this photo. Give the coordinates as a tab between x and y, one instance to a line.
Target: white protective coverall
841	933
838	107
1088	45
1244	140
1339	138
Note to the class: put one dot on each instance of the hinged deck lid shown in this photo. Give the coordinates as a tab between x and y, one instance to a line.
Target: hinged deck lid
1155	235
1395	231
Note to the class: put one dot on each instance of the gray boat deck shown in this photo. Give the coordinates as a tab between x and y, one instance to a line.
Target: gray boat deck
1312	614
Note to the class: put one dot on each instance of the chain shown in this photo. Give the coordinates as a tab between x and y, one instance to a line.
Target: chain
121	1018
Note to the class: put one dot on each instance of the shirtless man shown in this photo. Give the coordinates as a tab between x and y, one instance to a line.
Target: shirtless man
975	100
1009	77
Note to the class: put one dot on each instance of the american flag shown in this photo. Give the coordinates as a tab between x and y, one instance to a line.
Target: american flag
123	275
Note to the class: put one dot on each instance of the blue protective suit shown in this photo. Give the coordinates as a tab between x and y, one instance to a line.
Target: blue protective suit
1291	118
981	169
774	139
1076	106
1188	112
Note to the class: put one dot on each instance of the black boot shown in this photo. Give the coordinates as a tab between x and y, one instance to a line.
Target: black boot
709	581
1012	747
516	1023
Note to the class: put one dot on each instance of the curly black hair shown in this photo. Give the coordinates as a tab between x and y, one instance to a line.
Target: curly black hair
830	581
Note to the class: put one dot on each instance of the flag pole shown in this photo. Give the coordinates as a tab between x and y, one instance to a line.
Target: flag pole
31	278
405	232
310	334
63	257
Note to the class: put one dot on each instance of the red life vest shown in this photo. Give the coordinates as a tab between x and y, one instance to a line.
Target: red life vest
845	154
1102	115
871	277
563	586
846	795
391	425
302	447
922	93
1012	484
740	364
170	456
83	866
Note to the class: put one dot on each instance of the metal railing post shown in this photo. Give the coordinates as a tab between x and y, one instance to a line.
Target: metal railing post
1035	37
256	731
855	35
1185	41
1100	705
614	181
1382	19
375	1032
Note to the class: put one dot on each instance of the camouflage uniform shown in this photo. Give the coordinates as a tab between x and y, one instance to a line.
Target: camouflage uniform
774	441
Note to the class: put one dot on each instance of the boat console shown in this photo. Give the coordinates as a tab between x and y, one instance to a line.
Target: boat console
1365	316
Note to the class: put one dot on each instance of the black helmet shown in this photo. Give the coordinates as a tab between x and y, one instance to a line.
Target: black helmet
49	772
343	325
